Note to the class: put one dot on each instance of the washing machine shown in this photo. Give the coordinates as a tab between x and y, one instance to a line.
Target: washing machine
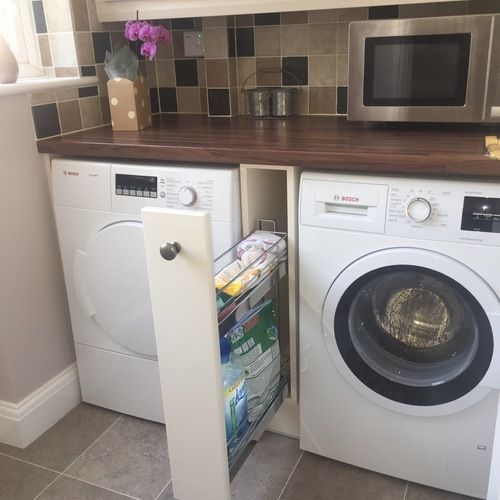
400	325
98	215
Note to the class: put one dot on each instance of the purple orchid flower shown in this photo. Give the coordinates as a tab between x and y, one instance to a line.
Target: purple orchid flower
148	50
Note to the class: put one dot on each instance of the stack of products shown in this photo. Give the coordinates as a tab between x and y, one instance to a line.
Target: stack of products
257	255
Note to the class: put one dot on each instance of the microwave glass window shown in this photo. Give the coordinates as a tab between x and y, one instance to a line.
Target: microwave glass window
425	70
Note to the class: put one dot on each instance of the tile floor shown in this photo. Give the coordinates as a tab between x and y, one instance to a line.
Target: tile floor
96	454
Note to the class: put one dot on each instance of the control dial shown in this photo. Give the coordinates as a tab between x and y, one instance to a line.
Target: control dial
419	209
187	196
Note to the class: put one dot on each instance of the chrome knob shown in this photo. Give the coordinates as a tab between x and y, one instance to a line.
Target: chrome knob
169	251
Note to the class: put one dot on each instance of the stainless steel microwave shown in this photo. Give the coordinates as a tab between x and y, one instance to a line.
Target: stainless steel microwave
441	69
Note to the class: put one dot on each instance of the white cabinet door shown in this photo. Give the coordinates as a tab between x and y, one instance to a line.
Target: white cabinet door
122	10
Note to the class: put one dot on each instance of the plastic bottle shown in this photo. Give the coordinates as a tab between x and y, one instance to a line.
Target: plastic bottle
235	394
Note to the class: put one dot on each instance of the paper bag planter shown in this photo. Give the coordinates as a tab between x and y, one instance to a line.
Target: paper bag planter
129	104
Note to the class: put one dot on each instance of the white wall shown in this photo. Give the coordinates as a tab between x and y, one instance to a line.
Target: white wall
35	333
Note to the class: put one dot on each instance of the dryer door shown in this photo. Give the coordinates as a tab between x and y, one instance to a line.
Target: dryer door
111	282
410	328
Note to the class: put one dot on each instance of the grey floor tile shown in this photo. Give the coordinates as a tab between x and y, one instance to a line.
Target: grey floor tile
22	481
318	478
66	488
67	439
420	492
131	458
266	469
167	493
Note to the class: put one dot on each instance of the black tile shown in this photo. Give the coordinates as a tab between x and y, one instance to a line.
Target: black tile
297	66
102	43
183	24
266	19
342	100
245	42
46	120
88	70
231	42
39	16
186	72
384	12
153	97
218	102
87	91
135	47
168	99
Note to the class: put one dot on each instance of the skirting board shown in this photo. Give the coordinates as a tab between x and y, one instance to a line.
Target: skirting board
286	421
21	423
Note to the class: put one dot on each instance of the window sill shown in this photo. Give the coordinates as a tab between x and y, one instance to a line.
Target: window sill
30	85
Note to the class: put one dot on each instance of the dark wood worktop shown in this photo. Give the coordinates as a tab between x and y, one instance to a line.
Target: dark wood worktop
306	141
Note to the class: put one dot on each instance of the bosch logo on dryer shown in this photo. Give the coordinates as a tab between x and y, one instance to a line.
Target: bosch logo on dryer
69	172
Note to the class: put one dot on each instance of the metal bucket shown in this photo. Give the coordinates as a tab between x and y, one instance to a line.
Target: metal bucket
258	102
284	102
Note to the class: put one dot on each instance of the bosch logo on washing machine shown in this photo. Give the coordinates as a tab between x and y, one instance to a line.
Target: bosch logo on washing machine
346	198
69	172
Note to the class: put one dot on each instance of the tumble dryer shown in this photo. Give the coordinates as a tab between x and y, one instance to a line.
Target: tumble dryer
98	215
400	325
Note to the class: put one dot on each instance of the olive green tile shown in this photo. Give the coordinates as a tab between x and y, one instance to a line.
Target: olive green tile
215	42
267	40
322	100
45	54
342	69
67	488
22	481
80	15
105	112
266	63
416	10
484	6
214	22
43	97
353	14
319	478
69	116
246	71
298	17
67	439
203	100
323	39
323	16
131	458
84	49
342	38
66	94
244	20
188	100
450	9
217	72
90	109
322	70
166	75
295	40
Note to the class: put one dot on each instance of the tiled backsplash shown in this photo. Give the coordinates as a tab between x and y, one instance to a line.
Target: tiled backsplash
310	46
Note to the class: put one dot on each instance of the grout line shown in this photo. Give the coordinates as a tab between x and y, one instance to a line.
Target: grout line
48	486
406	489
164	488
91	444
30	463
100	486
290	476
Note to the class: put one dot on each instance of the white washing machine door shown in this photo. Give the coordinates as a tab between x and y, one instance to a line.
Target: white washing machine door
111	282
411	329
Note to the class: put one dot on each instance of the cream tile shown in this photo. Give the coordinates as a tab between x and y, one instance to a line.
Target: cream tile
58	15
45	54
188	100
295	40
323	39
95	24
267	40
66	71
80	15
164	52
63	49
342	38
263	63
66	94
43	97
322	70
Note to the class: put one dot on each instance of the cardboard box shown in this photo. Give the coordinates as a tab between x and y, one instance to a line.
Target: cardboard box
129	104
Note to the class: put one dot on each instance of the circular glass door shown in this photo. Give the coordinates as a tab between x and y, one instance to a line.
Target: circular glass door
413	335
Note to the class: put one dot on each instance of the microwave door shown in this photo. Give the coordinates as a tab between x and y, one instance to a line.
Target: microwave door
418	69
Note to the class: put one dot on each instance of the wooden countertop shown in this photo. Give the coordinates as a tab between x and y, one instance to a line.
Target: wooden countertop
306	141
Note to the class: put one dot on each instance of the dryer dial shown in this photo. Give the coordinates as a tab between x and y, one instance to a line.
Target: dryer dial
419	209
187	196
